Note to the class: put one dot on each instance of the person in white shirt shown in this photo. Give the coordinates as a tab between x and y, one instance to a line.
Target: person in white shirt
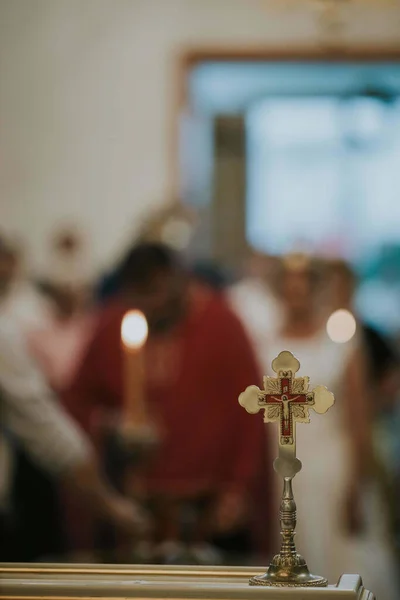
31	418
21	300
255	303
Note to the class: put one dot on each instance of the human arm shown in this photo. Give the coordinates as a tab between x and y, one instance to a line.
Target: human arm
33	417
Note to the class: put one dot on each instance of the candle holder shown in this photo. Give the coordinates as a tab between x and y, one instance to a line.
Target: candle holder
130	445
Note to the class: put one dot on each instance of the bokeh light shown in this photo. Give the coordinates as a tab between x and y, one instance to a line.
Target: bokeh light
341	326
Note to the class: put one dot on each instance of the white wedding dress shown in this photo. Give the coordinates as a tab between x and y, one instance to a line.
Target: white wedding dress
323	447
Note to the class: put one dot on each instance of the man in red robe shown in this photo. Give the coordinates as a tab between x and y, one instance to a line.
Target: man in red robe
198	360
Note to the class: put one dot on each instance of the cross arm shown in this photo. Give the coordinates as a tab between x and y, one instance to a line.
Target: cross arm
252	399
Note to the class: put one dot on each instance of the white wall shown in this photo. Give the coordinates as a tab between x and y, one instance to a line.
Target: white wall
87	93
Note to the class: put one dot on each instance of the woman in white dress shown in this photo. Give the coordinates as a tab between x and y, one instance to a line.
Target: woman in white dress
341	525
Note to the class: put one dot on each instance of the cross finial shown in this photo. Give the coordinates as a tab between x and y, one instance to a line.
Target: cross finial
286	399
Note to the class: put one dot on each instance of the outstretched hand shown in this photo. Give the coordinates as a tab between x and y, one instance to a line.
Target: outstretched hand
127	516
231	512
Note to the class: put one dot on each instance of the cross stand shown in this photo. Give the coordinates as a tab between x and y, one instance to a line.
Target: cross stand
287	399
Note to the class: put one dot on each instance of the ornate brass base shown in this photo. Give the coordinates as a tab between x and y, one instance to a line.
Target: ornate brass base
288	568
289	575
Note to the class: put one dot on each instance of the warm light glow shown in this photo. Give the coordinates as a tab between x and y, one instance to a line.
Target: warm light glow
134	329
177	233
341	326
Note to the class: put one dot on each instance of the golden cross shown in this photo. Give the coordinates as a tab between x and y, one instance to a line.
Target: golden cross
287	399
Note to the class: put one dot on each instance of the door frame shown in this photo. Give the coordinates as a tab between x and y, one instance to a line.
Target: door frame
190	57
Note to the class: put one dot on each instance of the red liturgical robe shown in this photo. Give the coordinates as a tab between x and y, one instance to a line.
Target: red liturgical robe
194	377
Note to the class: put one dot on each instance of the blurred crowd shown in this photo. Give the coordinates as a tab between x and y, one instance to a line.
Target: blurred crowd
80	482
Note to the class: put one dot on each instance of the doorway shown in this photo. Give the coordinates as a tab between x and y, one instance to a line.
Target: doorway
299	155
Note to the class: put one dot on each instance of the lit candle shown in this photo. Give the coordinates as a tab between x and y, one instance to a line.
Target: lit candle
134	333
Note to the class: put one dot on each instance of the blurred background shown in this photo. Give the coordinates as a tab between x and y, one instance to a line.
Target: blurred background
230	168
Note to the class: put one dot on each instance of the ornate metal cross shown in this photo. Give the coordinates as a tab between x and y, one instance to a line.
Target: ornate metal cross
287	399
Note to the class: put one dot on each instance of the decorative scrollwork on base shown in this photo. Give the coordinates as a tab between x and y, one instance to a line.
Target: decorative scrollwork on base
288	561
322	582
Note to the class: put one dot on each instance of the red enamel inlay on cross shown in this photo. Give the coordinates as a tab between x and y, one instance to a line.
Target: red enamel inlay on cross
286	398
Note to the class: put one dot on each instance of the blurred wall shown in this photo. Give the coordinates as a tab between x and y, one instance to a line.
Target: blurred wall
87	99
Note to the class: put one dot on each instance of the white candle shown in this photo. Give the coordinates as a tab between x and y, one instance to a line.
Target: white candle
134	333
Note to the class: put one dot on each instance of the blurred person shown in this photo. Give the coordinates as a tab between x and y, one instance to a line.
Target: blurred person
383	380
341	527
55	332
67	270
33	422
173	225
22	306
379	293
387	442
21	301
198	360
34	491
254	301
211	274
343	284
205	272
58	348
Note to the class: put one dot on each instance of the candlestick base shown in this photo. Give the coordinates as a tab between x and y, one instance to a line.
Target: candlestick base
290	572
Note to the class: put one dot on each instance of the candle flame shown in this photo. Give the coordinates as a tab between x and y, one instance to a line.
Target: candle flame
134	329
